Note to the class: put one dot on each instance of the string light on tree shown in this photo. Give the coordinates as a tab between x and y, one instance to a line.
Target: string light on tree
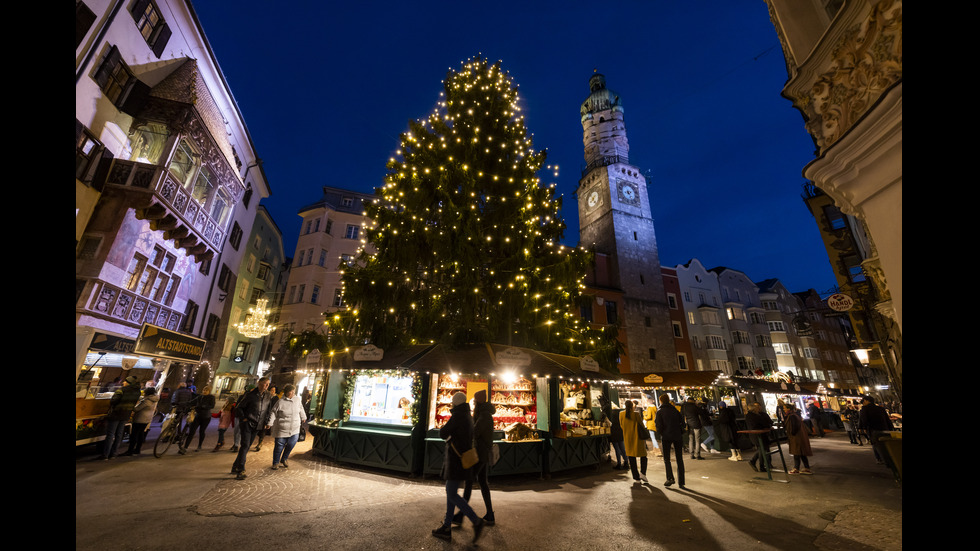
466	237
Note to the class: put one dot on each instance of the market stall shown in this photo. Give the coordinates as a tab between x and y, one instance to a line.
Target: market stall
110	359
771	393
525	386
710	386
368	409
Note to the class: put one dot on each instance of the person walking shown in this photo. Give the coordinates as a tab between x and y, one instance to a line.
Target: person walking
816	418
708	427
203	404
635	448
649	419
458	434
274	397
797	439
616	439
851	418
670	427
728	429
253	415
692	416
758	419
483	440
286	418
225	419
142	416
121	405
874	420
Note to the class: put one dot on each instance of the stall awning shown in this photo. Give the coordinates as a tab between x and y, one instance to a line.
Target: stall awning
773	387
677	379
484	359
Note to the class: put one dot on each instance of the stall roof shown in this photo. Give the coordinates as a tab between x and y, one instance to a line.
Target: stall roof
490	358
676	379
776	387
403	358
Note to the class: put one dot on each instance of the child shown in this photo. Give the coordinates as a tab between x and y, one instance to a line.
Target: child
226	419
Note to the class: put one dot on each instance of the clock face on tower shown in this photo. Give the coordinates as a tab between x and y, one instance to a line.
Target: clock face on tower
593	199
629	193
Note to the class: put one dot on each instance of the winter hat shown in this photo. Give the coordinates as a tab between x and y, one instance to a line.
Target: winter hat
480	396
132	380
459	398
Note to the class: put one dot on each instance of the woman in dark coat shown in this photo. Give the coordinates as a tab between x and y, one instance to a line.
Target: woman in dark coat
458	434
483	440
798	440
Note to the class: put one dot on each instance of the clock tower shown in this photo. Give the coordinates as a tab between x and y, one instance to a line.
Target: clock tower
615	220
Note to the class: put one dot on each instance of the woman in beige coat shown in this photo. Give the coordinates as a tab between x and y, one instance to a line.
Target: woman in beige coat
630	420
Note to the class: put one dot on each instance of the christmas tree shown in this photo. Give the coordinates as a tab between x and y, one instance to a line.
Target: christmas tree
465	242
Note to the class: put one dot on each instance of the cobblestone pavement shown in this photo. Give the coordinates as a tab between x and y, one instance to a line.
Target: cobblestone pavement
145	503
309	484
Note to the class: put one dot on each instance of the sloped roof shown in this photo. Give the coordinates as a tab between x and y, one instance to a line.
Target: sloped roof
186	85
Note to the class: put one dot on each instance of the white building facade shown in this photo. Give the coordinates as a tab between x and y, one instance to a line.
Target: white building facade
167	177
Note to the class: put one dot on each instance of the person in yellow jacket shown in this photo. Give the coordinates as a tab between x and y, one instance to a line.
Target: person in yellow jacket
649	417
630	420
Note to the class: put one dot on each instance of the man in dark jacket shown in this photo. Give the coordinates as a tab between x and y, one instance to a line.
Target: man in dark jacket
458	434
692	415
253	415
121	406
874	421
758	419
815	414
670	427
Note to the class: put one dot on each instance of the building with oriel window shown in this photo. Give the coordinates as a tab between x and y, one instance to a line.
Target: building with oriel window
167	184
844	62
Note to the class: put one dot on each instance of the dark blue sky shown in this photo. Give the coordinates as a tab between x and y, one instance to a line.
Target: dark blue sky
326	88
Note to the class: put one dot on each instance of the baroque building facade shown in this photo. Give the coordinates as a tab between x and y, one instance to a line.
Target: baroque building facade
844	61
615	220
166	175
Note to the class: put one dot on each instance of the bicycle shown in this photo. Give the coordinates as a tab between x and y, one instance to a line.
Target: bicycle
176	427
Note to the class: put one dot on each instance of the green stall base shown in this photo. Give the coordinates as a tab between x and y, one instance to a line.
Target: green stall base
571	453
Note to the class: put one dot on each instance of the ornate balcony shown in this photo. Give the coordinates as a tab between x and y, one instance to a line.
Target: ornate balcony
170	208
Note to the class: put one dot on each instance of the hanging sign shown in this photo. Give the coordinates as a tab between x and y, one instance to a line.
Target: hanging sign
588	363
369	353
160	342
514	356
840	302
653	378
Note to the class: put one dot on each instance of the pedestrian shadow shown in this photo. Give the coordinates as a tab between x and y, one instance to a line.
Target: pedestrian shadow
666	523
766	529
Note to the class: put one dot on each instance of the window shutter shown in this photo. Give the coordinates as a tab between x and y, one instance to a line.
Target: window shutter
138	8
111	59
160	42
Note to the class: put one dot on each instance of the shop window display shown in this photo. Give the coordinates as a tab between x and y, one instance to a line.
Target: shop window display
382	399
514	398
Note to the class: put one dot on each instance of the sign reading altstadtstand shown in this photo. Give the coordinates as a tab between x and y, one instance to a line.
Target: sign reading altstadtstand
163	343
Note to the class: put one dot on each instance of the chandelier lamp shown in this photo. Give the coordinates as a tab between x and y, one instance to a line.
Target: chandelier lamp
256	322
